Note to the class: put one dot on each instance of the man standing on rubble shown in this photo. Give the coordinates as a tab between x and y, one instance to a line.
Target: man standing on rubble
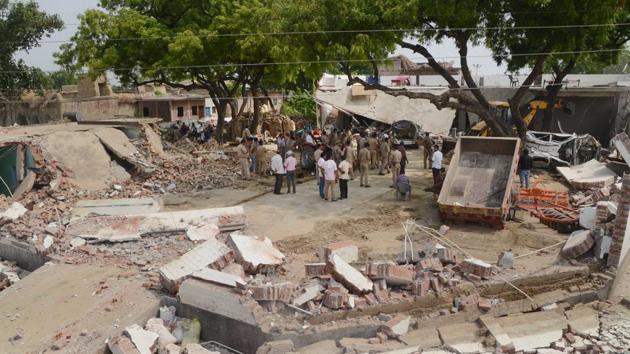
277	166
525	165
243	157
395	159
364	165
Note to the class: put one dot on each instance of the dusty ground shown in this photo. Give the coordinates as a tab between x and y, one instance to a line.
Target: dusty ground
372	218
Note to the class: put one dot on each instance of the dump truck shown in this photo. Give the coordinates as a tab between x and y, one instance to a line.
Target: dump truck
478	184
405	132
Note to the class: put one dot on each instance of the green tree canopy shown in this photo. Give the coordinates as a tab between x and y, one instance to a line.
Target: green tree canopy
22	26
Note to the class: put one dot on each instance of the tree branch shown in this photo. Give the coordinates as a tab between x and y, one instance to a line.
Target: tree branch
420	49
462	43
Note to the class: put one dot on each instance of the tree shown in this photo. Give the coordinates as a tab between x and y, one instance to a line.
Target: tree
55	80
22	26
301	104
224	47
585	30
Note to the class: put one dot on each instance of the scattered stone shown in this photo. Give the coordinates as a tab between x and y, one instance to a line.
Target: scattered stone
393	274
444	230
194	348
144	341
14	212
276	347
310	292
397	326
77	242
122	345
506	260
156	325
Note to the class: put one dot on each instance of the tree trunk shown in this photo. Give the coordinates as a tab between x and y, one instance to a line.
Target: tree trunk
553	90
462	45
257	112
220	119
517	99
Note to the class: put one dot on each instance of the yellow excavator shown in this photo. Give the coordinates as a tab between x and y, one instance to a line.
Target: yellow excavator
501	110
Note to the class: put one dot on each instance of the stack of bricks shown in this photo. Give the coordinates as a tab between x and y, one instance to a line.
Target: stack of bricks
446	256
421	286
476	267
621	222
602	214
334	299
430	264
272	292
380	291
394	274
317	270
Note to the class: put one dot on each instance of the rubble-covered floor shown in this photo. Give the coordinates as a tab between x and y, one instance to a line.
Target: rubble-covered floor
299	225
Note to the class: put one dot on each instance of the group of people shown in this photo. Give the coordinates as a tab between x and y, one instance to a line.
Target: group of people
200	133
251	156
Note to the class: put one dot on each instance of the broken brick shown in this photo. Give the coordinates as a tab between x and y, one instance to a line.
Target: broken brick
344	249
272	292
316	269
476	267
394	275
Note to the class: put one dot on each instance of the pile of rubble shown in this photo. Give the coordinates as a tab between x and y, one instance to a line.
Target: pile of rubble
10	274
164	334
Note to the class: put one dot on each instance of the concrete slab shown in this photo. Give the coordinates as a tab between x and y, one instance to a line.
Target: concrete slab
200	257
122	345
578	243
361	345
583	320
501	337
310	292
349	276
592	174
255	253
461	337
131	206
215	299
203	233
61	299
348	251
426	337
327	346
622	144
217	277
534	330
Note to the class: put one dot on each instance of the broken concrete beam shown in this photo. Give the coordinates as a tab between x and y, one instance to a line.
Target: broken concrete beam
156	325
121	345
476	267
344	273
272	292
171	349
145	341
344	249
254	254
310	292
578	243
314	270
211	253
397	326
219	300
394	275
217	277
131	206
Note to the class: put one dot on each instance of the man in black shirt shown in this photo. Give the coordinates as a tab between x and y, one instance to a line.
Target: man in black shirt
525	165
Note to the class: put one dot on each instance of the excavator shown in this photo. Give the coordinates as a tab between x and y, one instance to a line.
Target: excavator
501	110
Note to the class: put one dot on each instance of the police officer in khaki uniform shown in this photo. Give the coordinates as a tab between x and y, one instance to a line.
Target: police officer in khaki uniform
395	157
385	149
243	157
364	165
373	147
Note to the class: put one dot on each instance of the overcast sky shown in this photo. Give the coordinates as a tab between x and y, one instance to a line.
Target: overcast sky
69	9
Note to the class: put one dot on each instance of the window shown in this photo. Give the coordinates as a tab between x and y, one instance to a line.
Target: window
214	110
194	110
180	111
202	111
146	112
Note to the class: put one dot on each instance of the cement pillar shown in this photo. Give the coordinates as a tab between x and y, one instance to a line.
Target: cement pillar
621	223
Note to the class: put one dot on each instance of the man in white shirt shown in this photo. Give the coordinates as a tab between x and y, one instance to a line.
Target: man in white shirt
345	173
436	163
277	167
331	175
320	173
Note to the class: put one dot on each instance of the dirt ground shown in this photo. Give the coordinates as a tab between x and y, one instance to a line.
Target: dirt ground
373	219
